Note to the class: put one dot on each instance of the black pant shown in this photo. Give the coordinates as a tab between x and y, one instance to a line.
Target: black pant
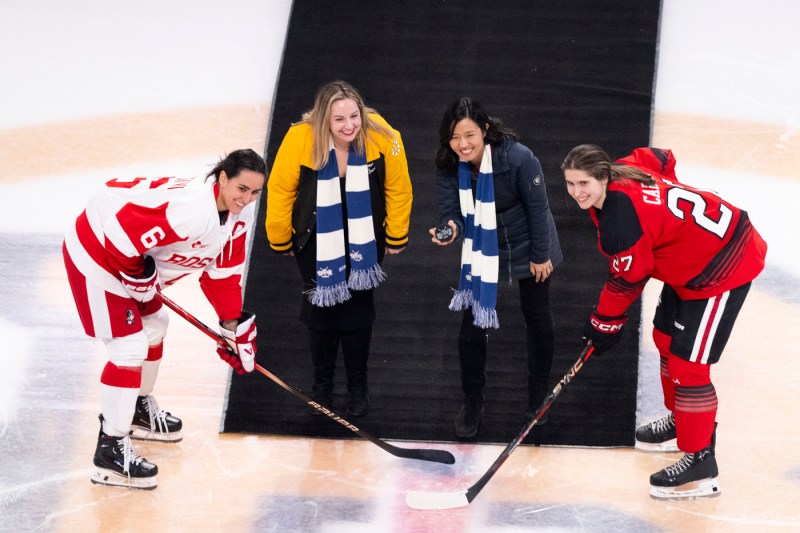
540	342
355	350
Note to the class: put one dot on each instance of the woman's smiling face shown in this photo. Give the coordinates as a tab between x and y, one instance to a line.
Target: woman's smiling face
587	190
345	122
237	192
467	141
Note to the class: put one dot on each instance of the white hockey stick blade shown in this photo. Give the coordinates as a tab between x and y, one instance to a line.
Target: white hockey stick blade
436	500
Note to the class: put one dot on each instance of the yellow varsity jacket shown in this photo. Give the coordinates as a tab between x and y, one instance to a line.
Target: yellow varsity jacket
292	193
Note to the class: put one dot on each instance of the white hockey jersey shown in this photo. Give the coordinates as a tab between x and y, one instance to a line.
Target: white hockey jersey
173	220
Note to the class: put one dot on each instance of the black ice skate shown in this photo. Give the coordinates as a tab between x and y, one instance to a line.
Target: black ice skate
117	464
693	476
658	436
152	423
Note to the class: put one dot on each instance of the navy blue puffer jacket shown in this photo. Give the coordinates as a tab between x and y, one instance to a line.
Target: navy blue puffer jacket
526	231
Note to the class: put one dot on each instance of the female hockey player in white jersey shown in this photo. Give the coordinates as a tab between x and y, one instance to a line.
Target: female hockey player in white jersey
133	238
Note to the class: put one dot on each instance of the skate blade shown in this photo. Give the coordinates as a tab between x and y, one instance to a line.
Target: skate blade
704	488
101	476
140	433
668	446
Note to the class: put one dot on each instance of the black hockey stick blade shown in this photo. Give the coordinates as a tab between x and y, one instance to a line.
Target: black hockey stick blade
452	500
435	456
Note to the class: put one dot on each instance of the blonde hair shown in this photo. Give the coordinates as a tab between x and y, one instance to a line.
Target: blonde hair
319	118
594	161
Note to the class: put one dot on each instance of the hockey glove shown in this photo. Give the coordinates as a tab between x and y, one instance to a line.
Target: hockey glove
603	331
244	341
144	288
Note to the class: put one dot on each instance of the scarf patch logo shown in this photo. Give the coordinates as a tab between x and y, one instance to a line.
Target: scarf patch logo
324	272
356	256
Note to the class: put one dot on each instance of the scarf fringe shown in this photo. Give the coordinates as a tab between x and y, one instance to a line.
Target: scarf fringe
462	300
328	296
485	317
362	280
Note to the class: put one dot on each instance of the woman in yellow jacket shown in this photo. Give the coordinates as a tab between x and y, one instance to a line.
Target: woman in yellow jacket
338	199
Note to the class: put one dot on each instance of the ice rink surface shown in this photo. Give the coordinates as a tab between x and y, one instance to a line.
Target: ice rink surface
94	90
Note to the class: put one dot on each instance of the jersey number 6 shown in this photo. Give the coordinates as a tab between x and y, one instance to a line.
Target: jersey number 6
150	238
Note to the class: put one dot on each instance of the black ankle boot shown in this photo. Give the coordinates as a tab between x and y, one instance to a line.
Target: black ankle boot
324	346
358	401
469	416
535	400
322	394
355	351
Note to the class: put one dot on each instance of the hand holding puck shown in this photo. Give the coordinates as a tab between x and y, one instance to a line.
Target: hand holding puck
444	232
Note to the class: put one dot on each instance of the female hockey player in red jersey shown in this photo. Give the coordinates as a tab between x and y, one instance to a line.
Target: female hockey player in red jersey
706	252
134	237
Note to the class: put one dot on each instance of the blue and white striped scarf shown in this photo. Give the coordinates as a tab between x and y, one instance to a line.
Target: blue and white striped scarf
479	262
365	272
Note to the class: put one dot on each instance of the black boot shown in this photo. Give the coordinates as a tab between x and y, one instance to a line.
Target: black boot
355	348
324	348
469	416
358	401
536	397
472	347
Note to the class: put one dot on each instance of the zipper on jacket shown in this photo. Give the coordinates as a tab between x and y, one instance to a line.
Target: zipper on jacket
508	247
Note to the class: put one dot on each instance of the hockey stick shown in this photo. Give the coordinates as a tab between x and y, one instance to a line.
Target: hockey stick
451	500
436	456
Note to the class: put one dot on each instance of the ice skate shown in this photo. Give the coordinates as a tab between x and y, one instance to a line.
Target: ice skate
152	423
117	464
693	476
658	436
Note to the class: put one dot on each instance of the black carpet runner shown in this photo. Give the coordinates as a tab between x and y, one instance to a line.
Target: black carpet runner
560	74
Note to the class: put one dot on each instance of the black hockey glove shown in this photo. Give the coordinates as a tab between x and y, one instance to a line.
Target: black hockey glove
603	331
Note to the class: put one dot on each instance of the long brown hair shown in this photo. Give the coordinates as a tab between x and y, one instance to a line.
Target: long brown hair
319	118
595	161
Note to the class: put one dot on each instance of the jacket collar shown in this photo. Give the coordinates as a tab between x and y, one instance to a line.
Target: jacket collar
500	157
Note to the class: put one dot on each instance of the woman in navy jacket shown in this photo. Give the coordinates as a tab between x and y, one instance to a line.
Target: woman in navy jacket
527	242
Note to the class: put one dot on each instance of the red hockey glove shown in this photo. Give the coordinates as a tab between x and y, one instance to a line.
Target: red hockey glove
227	355
144	288
603	331
244	340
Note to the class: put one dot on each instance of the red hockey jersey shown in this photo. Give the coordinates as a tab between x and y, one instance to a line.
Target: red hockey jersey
689	238
173	220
